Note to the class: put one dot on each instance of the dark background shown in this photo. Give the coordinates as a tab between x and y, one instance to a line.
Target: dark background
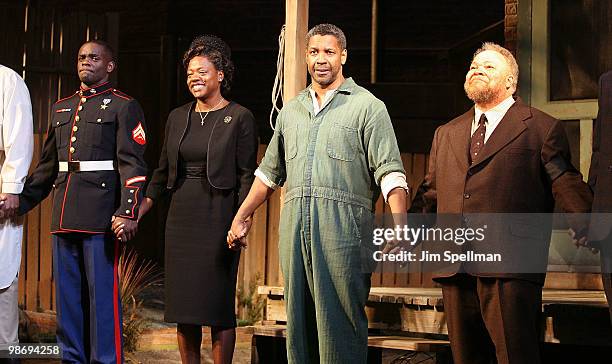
424	51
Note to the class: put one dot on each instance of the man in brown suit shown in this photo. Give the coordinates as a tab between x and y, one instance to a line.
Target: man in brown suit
502	156
600	181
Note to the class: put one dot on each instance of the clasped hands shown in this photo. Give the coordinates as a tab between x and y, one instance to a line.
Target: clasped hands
580	241
125	229
9	204
236	236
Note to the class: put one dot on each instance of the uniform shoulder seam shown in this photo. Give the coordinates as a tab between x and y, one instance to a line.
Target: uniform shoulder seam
65	98
121	94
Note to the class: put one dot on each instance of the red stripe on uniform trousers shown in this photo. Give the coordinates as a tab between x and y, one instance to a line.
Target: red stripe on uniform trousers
118	350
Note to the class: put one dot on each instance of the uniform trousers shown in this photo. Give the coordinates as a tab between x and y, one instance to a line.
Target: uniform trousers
87	298
490	318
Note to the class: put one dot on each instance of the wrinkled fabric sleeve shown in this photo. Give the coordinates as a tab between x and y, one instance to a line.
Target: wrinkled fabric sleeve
568	188
17	137
157	186
273	164
380	143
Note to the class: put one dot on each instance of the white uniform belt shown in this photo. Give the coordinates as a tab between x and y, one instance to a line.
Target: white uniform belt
86	166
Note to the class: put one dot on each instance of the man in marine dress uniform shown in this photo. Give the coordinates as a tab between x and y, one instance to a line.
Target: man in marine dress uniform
93	160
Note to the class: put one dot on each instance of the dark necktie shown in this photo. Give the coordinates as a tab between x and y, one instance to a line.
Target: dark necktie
478	138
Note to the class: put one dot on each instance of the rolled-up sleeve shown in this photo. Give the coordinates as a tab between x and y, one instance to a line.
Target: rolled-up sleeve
379	138
392	181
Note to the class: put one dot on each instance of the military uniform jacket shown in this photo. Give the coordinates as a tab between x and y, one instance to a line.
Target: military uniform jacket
95	124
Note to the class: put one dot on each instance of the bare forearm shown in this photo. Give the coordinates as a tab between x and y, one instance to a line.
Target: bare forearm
258	194
397	203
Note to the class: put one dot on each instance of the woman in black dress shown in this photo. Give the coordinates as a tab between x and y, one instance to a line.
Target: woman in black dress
206	164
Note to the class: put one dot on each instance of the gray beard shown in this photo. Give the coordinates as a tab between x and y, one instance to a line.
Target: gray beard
480	96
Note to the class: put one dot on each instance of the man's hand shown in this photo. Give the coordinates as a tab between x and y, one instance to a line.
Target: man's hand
236	236
581	241
124	229
9	204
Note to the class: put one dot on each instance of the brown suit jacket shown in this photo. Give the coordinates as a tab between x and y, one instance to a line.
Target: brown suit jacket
600	173
523	168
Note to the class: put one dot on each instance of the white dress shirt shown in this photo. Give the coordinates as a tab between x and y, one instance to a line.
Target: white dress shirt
16	147
493	115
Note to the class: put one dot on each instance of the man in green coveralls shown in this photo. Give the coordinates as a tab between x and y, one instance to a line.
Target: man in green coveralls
334	150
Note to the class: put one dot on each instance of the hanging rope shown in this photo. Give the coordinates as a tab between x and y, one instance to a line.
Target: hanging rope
277	89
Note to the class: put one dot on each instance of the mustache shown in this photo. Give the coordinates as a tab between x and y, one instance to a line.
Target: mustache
481	77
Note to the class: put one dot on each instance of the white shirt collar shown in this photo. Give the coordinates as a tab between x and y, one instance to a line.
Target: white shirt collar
494	116
315	104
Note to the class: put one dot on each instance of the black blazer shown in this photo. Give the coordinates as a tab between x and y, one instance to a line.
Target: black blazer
231	157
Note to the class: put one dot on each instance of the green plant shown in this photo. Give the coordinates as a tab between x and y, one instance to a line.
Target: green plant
250	304
135	275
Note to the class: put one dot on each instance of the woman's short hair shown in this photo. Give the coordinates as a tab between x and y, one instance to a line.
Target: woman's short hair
217	52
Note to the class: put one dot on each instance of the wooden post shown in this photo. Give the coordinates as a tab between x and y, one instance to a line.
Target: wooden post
294	80
296	27
374	43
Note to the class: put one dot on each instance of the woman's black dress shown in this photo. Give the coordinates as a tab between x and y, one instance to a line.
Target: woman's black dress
200	269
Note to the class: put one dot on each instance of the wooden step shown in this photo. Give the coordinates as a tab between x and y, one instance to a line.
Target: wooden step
408	343
375	341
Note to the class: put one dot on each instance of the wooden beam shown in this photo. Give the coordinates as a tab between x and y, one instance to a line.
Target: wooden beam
296	27
374	43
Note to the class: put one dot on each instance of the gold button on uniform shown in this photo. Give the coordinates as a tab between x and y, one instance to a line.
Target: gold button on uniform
57	123
99	120
72	149
83	99
77	118
129	200
80	107
127	211
75	128
73	139
103	184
